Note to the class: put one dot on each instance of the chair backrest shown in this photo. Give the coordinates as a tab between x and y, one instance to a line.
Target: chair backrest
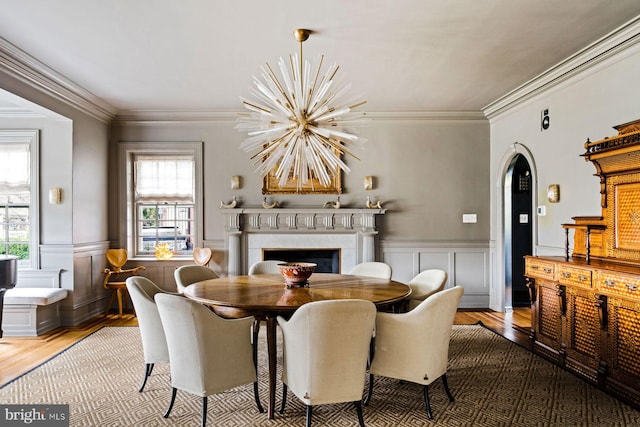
326	346
372	269
265	267
202	256
207	354
116	258
154	343
188	274
425	284
414	346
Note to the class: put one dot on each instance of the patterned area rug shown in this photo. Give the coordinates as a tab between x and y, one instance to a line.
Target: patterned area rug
495	383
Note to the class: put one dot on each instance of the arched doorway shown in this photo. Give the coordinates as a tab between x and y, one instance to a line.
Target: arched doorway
518	230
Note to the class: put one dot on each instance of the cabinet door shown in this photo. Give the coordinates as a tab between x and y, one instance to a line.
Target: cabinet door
582	337
624	342
548	318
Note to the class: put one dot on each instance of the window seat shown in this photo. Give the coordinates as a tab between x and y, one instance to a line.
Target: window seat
33	310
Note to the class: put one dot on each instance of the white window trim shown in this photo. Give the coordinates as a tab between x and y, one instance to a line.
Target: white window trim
31	137
126	202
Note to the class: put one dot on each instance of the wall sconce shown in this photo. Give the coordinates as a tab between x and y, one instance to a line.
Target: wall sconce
235	182
55	195
368	182
553	193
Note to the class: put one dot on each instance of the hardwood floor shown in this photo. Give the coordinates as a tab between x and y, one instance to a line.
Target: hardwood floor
19	355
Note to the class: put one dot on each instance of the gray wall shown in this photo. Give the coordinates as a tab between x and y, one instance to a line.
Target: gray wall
427	172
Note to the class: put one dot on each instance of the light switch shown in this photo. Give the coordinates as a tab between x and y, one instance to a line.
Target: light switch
524	218
542	210
469	218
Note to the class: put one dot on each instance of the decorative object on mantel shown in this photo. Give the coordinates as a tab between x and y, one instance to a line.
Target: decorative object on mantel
232	204
371	205
163	251
296	128
332	204
266	205
296	274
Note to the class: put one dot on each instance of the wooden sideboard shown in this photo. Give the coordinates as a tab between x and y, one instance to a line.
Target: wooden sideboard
586	318
585	306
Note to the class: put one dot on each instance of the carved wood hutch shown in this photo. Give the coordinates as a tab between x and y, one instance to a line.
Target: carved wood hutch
586	305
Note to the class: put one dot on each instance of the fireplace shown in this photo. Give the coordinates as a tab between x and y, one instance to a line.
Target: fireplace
328	260
348	233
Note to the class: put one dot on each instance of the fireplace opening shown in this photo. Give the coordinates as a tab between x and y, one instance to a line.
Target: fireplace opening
328	260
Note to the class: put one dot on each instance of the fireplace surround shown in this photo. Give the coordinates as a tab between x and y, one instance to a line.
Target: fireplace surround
249	231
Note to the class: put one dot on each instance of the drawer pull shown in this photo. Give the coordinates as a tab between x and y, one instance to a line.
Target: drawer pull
534	267
566	275
609	283
582	278
547	270
631	287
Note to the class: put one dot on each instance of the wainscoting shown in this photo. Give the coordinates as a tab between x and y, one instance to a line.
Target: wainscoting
467	264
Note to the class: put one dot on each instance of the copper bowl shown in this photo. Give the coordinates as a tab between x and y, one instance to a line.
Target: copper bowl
296	274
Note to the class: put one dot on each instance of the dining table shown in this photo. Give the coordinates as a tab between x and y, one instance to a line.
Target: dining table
266	296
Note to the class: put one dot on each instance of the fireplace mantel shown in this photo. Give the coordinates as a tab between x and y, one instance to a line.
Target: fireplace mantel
354	230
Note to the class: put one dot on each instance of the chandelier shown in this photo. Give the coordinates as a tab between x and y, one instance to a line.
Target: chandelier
296	125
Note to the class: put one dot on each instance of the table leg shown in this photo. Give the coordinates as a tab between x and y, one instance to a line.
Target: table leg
271	349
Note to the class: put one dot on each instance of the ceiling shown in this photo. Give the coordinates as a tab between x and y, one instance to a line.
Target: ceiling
403	55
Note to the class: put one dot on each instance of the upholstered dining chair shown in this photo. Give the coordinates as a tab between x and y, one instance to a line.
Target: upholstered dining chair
414	346
425	284
207	354
154	343
372	269
265	267
115	276
326	346
188	274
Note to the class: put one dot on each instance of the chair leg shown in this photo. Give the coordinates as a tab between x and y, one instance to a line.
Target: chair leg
367	399
119	293
113	295
256	393
284	398
359	410
309	416
174	391
204	411
446	388
147	373
425	389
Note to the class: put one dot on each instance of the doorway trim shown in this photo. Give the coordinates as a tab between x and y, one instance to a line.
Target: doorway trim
497	296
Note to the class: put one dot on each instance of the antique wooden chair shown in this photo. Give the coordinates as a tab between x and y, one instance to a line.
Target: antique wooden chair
115	276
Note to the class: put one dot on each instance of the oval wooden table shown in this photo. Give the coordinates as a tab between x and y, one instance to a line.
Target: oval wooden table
266	297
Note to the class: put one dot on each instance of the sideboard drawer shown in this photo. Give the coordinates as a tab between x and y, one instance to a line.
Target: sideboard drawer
541	269
574	276
619	285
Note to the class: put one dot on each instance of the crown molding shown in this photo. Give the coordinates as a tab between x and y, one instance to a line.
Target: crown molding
24	67
609	47
150	117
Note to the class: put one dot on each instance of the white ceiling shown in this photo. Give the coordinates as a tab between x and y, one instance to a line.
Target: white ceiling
401	55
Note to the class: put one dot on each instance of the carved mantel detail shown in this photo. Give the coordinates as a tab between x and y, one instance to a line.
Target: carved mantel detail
359	225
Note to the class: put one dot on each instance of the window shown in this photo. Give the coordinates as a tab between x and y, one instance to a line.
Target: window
19	195
164	197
